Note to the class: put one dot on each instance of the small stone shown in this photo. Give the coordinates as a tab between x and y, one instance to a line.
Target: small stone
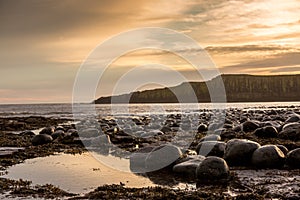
249	126
202	128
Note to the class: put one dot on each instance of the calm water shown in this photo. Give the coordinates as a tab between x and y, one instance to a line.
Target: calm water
65	110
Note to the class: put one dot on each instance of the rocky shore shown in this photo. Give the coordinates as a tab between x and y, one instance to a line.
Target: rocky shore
248	154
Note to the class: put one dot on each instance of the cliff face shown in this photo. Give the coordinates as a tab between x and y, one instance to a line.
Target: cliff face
239	88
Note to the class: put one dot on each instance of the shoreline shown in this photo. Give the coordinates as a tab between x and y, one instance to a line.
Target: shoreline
236	188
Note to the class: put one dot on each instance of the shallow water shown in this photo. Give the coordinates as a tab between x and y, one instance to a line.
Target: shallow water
73	173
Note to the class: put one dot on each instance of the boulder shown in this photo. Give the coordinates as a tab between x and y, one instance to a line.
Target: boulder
283	149
58	134
47	130
211	148
268	156
266	132
138	160
293	158
202	128
188	167
41	139
212	169
162	157
249	126
238	152
290	131
293	118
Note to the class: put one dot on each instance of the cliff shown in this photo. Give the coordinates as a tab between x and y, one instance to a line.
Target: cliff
239	88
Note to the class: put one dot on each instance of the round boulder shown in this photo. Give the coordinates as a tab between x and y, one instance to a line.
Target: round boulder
47	130
293	158
58	134
212	169
238	152
211	148
138	159
162	156
202	128
41	139
268	156
188	167
266	132
249	126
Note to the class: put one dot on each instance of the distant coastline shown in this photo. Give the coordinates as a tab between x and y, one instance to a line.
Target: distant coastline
238	87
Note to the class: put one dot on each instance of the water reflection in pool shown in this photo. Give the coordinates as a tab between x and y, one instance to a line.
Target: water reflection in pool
74	173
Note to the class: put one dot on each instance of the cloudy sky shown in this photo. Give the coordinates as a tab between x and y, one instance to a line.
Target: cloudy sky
43	43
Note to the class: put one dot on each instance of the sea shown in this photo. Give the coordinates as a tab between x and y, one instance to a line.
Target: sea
65	110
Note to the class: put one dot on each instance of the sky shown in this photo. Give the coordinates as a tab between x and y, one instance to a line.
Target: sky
44	43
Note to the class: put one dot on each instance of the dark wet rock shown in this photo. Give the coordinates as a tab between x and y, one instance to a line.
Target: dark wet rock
202	128
293	158
212	169
162	156
211	137
237	128
47	130
283	149
188	167
290	131
275	124
89	132
294	125
293	118
138	159
58	134
239	151
41	139
73	132
249	126
266	132
211	148
61	128
268	156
